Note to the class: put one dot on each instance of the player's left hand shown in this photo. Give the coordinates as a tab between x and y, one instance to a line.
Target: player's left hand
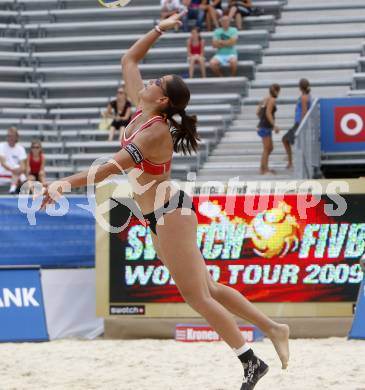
50	193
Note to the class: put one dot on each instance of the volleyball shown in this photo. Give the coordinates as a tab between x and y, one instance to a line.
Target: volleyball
113	3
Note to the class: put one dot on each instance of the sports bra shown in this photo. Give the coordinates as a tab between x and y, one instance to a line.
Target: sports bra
146	165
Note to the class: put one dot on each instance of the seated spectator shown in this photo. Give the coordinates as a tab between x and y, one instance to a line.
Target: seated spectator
214	13
224	40
169	7
303	105
36	163
195	48
12	161
239	9
120	111
195	10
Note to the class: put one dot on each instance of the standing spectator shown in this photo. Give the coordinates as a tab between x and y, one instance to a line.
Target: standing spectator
304	103
169	7
224	40
214	13
36	163
266	114
195	48
239	9
12	161
120	109
195	10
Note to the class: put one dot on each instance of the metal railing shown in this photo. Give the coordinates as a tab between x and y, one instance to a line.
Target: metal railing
307	148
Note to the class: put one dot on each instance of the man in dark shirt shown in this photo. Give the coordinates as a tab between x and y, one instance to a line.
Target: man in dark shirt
195	10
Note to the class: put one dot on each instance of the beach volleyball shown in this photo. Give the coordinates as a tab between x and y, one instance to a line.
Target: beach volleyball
113	3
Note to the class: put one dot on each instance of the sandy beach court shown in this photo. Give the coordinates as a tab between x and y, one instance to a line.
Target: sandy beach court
335	363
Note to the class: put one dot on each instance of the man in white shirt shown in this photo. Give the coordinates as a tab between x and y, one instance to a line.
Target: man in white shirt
12	161
169	7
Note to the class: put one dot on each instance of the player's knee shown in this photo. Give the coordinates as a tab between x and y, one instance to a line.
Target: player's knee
196	299
213	288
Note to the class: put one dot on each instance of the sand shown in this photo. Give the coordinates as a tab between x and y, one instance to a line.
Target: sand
335	363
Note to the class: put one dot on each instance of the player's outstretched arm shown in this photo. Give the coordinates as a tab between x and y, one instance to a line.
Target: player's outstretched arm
130	72
120	162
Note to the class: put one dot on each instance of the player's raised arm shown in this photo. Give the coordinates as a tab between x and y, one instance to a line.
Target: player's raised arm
131	74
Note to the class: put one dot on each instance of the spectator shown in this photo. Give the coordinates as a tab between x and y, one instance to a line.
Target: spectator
304	103
214	13
195	10
266	114
224	40
169	7
239	9
120	110
36	163
195	47
12	161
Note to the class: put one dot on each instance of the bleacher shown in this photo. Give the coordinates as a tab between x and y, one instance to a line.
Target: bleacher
319	40
60	66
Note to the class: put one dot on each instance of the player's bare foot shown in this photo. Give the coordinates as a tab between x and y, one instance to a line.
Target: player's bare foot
279	336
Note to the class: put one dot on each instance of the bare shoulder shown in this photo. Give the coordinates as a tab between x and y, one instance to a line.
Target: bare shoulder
157	134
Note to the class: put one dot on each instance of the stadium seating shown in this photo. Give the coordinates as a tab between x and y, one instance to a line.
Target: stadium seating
59	68
319	40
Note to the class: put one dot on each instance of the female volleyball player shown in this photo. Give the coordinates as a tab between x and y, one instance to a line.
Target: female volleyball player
148	144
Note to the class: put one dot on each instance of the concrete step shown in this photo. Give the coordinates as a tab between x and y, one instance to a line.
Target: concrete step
208	176
293	92
290	13
278	157
314	59
248	137
320	28
251	173
316	43
324	3
250	124
243	149
312	75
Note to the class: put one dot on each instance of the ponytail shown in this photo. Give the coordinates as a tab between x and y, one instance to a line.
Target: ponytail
184	134
304	86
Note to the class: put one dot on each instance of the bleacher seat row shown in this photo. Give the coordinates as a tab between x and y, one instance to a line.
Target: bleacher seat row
59	67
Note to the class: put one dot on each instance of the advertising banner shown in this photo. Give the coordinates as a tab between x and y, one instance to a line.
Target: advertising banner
358	324
271	249
343	125
198	333
22	315
29	236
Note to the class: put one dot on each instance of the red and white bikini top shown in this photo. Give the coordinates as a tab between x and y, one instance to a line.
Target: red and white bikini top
146	165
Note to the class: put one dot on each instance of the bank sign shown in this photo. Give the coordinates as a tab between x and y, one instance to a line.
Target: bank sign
22	315
343	125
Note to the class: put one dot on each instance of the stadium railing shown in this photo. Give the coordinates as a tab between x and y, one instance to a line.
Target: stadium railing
307	154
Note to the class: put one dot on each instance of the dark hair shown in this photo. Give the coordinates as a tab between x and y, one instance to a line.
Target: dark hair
184	134
198	31
304	86
274	90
